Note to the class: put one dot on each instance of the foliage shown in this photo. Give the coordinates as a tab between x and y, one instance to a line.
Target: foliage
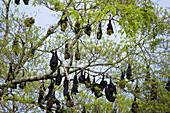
140	38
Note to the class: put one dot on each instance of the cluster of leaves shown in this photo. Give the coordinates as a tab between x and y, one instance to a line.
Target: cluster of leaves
141	38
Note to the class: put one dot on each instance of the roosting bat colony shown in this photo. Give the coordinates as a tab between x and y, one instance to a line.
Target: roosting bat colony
84	78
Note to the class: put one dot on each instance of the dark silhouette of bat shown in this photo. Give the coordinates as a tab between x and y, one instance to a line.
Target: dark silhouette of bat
84	109
17	2
66	54
65	92
96	89
11	76
82	77
122	78
168	85
15	46
88	29
74	89
26	2
103	84
58	78
129	73
77	27
77	53
99	32
109	27
109	90
54	61
87	81
29	21
22	84
134	106
41	95
63	22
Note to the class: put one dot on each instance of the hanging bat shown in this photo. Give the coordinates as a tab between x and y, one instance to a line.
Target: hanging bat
96	89
41	95
109	27
122	79
74	89
22	84
66	54
103	84
51	92
69	102
99	32
109	90
65	92
29	22
134	106
129	73
82	77
17	2
168	86
87	81
63	22
26	2
58	78
88	29
54	61
77	53
77	27
15	47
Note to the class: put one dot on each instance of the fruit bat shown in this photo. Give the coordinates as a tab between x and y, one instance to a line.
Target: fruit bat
109	27
84	109
32	51
65	87
147	73
54	61
17	2
129	73
87	81
11	76
168	86
22	84
69	102
41	95
63	22
88	29
153	94
77	53
58	78
26	2
137	89
66	54
103	84
74	89
122	82
50	103
58	110
134	106
96	89
92	85
114	110
51	92
15	46
82	77
29	22
10	73
99	32
77	27
109	90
